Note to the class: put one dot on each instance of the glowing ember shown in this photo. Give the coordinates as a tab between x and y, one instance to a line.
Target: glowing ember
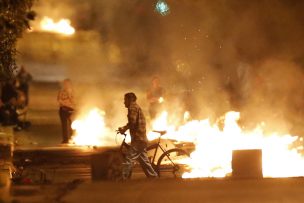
186	116
63	26
161	100
91	130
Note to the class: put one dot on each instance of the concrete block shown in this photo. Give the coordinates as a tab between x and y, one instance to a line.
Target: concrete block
106	165
247	163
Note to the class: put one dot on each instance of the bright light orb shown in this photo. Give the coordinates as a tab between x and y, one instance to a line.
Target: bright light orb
162	8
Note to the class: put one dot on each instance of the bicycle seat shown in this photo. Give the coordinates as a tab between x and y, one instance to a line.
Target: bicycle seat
162	132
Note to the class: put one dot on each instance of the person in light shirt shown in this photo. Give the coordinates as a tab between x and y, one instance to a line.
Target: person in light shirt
65	99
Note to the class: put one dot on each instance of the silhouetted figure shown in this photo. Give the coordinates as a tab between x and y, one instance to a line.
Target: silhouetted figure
23	80
137	127
8	109
8	91
155	97
65	100
9	115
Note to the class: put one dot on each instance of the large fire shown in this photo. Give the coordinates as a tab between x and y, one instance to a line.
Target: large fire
90	130
213	147
63	26
281	154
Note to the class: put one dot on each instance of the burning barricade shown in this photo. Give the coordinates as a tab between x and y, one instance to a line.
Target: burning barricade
210	147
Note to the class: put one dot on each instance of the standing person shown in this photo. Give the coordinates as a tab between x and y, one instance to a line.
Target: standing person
155	97
65	100
137	126
23	80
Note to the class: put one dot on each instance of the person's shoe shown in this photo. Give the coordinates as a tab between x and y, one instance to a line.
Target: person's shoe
27	124
152	177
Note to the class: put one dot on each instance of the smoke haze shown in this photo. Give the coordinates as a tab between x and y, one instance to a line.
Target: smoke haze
214	56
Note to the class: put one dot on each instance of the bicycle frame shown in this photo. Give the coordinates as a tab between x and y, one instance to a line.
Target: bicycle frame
123	144
156	146
153	146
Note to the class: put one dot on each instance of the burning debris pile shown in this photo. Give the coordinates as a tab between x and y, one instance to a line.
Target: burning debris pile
212	156
90	130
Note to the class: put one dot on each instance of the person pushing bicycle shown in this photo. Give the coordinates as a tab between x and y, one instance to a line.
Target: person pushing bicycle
137	127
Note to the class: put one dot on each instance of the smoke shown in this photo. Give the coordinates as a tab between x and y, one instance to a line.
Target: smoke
214	56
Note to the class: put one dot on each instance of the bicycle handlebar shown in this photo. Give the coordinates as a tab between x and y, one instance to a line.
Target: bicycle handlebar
118	132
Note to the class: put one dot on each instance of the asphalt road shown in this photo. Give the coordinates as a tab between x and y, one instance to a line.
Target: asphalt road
198	190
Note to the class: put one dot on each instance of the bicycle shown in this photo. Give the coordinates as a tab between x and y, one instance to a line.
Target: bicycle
25	173
168	161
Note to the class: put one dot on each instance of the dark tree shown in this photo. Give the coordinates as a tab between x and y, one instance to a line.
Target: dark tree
15	16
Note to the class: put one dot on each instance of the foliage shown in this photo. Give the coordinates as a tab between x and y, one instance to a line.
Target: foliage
15	16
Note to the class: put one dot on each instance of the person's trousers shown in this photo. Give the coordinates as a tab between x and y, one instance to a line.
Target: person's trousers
66	122
142	157
155	108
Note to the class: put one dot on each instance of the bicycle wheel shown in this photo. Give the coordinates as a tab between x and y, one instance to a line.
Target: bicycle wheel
171	163
34	175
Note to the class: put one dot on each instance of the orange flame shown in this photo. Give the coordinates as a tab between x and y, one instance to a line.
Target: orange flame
213	147
90	129
212	156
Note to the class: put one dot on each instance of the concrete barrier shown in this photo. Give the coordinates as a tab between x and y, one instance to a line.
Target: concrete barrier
6	143
106	165
247	163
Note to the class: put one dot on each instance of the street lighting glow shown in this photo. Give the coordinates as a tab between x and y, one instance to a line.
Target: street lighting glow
162	8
